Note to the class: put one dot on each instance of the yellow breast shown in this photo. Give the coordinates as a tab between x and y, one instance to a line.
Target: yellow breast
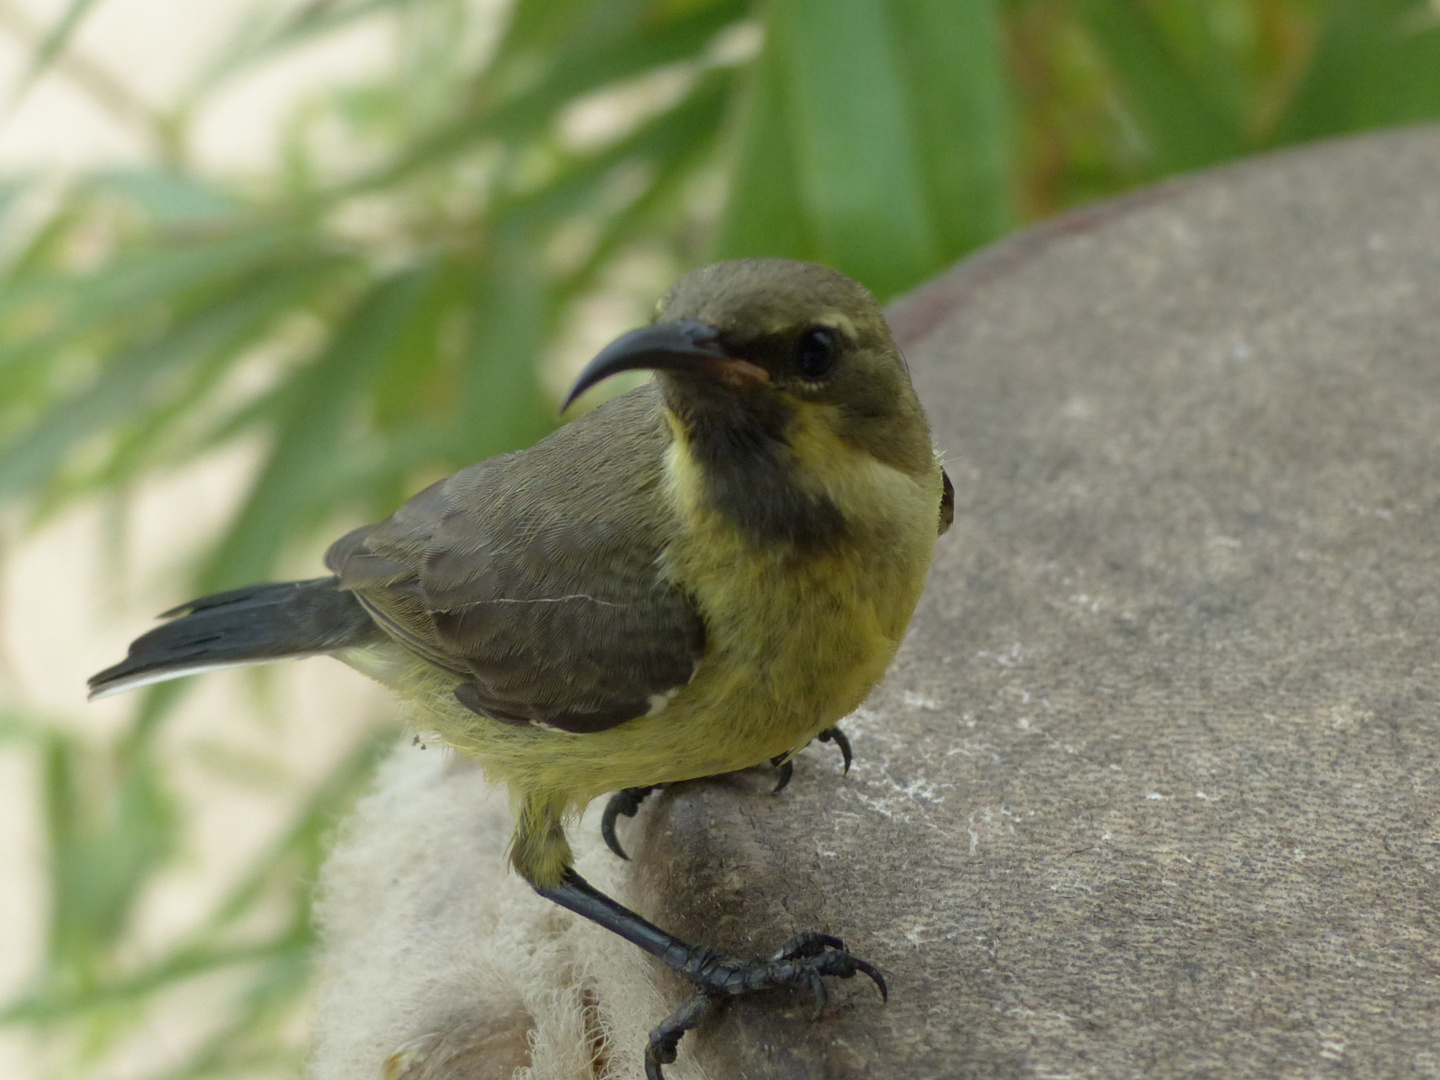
796	640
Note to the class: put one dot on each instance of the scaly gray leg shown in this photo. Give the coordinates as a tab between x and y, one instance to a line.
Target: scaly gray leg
804	960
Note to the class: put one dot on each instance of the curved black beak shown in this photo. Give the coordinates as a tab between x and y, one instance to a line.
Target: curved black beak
682	345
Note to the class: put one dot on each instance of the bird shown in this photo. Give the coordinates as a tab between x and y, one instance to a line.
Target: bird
696	577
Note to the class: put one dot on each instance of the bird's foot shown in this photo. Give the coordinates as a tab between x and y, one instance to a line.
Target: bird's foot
624	802
787	766
835	735
801	961
804	961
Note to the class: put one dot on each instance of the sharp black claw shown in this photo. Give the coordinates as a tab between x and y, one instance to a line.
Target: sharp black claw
607	829
625	802
835	735
871	970
787	770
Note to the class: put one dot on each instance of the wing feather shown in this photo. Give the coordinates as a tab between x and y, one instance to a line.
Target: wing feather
536	576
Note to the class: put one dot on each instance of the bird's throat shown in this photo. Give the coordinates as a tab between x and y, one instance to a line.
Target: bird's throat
736	462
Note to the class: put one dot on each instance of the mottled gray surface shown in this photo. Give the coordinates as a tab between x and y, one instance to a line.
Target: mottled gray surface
1152	790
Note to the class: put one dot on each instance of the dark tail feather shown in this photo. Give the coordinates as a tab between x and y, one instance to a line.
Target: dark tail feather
239	627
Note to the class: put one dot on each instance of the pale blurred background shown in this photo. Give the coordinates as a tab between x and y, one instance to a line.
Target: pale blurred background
268	267
239	772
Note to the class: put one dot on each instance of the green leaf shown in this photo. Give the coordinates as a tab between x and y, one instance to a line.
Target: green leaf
304	837
580	183
674	164
526	114
501	404
958	103
1377	63
552	27
286	867
764	213
37	249
1215	43
12	189
17	727
66	1002
128	381
102	853
292	488
169	431
133	280
50	47
1182	126
171	199
858	164
264	35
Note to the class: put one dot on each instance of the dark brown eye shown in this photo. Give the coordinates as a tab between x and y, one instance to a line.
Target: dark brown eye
815	353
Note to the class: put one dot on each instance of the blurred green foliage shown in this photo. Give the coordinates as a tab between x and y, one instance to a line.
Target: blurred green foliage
379	309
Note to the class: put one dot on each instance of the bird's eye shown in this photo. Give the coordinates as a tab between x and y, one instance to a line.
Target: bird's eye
815	353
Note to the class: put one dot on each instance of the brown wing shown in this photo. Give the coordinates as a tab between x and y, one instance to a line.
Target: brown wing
534	577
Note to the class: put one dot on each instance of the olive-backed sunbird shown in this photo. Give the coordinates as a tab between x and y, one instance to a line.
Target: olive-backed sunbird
695	577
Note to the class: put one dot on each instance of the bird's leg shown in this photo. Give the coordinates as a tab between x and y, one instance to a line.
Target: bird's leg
802	961
624	802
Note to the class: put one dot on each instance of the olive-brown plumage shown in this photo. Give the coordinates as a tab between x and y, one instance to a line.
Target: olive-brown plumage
532	576
698	576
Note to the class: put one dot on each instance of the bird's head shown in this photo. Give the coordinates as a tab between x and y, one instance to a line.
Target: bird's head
766	351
